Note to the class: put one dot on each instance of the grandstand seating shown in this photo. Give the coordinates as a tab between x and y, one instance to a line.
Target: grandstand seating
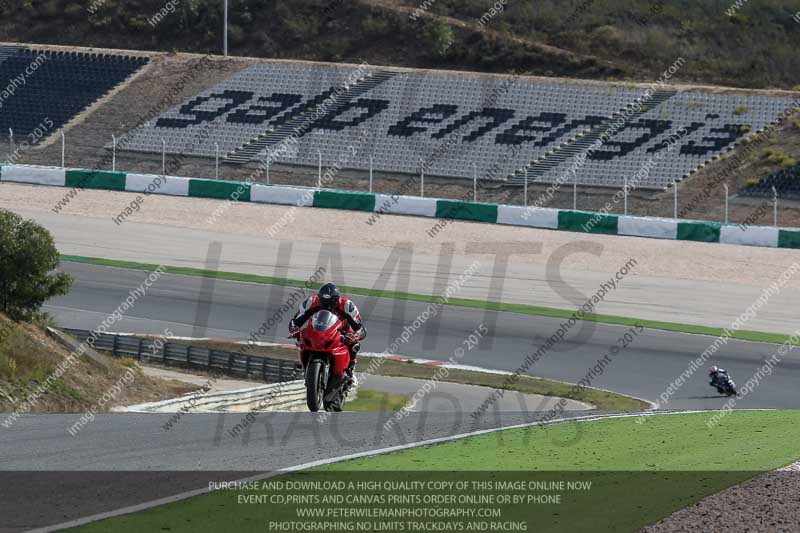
52	87
786	183
457	124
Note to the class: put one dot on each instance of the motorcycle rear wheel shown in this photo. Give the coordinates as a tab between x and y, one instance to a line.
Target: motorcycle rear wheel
315	385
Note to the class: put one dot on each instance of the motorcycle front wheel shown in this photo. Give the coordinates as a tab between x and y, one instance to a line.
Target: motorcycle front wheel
315	385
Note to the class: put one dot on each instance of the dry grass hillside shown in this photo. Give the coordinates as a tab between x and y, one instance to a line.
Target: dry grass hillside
28	357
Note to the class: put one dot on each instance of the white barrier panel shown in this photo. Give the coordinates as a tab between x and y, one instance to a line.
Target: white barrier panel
153	184
273	194
38	175
284	395
517	215
656	228
750	236
405	205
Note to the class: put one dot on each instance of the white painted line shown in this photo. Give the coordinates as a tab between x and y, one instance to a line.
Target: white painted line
794	467
371	453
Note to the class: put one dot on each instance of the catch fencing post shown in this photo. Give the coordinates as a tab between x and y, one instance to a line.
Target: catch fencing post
63	149
575	194
421	180
10	140
216	160
675	200
225	29
774	207
113	153
525	187
319	171
474	182
725	185
268	165
625	193
370	173
163	157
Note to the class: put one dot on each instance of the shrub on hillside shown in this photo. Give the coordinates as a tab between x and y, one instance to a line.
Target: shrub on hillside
440	37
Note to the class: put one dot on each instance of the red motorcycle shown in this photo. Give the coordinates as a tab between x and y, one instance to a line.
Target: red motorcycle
323	355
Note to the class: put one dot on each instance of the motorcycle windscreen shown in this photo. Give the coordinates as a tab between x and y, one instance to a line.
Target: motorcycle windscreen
323	320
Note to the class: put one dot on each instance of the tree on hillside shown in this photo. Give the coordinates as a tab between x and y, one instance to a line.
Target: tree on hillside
28	257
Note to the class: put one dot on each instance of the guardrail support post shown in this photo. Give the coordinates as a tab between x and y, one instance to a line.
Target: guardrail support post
370	173
63	149
114	347
113	153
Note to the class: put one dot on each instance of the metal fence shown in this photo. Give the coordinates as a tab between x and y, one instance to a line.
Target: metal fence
171	353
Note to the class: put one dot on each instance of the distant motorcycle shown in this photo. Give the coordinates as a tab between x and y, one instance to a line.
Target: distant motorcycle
322	348
726	386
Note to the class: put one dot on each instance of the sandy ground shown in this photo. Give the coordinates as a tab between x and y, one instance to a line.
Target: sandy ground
769	502
696	283
216	385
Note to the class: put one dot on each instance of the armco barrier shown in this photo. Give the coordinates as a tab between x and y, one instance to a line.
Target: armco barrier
171	353
567	220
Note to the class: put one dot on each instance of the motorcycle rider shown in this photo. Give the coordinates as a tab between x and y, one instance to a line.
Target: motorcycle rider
330	299
718	376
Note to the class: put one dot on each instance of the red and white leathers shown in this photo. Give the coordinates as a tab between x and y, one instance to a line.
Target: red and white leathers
347	311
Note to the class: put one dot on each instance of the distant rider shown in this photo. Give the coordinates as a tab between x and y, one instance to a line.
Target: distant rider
330	299
718	376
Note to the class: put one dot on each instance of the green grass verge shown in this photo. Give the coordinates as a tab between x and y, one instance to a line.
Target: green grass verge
603	400
524	309
372	401
744	441
638	473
